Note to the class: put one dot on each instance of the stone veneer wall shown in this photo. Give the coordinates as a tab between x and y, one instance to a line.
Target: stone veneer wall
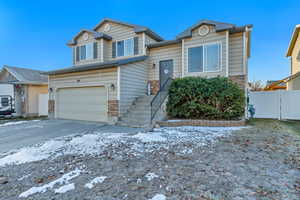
212	123
154	86
113	108
240	80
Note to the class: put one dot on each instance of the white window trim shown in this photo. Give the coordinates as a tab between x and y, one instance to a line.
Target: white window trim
116	41
204	72
92	58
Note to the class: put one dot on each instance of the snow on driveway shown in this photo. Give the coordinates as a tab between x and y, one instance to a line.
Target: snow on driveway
17	123
93	144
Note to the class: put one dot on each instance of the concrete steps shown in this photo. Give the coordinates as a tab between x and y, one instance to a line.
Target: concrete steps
139	113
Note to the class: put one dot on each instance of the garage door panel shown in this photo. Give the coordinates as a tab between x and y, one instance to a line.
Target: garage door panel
85	103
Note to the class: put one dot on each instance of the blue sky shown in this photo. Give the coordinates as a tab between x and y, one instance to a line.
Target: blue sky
33	33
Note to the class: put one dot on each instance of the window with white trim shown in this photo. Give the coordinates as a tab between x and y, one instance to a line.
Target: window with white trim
125	47
204	58
86	52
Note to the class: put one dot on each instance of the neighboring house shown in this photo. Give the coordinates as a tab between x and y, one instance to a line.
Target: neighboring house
293	81
275	85
27	84
116	64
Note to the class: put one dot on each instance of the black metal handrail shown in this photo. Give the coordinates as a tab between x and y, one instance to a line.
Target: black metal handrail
160	97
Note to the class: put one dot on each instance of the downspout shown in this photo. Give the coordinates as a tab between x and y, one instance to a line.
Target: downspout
245	40
182	59
144	43
227	53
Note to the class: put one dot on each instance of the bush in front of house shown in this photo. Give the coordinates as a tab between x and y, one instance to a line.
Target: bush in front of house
205	98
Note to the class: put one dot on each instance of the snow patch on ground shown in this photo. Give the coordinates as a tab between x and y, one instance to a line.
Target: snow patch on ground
63	180
150	137
150	176
95	181
65	188
94	144
16	123
159	197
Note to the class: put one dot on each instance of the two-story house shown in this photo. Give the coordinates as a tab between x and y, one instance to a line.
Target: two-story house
293	81
116	64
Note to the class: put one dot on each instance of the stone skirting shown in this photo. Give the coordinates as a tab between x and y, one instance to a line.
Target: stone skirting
212	123
113	108
154	86
239	79
51	106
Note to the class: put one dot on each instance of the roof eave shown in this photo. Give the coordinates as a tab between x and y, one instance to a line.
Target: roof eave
96	66
293	40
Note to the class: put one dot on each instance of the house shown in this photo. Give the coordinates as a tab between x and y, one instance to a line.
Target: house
293	81
275	85
116	64
27	86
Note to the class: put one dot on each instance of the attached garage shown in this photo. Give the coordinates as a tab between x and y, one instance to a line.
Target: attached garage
82	103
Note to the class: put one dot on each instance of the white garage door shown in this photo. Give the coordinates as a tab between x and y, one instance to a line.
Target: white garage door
85	103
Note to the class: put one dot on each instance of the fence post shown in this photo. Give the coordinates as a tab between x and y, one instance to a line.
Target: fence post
280	105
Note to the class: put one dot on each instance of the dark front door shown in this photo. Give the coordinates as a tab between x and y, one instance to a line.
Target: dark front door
165	71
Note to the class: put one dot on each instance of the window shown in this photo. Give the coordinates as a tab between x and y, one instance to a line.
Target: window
205	58
125	47
89	51
4	101
86	51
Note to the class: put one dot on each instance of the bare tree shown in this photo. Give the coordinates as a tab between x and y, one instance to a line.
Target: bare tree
256	86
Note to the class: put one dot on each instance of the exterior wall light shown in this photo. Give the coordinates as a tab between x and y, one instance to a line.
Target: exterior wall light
112	86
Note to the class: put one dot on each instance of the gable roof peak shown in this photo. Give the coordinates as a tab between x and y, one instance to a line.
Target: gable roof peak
137	28
293	40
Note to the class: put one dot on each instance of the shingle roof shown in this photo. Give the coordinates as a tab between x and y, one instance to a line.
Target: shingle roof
293	40
27	76
96	35
137	28
163	43
220	26
101	65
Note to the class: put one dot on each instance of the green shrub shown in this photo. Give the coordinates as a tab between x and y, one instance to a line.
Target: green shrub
203	98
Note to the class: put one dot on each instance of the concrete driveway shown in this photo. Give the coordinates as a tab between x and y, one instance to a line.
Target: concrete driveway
17	134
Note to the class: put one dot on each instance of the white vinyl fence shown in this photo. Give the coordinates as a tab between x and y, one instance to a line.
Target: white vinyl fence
276	104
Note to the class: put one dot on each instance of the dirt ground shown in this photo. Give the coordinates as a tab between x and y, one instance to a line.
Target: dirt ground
258	162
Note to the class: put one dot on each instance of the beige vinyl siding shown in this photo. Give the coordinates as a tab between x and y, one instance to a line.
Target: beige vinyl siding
80	42
164	53
102	77
197	40
133	83
33	97
236	54
295	61
118	32
149	40
294	84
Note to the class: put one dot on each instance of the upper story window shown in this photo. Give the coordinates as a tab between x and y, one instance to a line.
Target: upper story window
205	58
86	52
128	47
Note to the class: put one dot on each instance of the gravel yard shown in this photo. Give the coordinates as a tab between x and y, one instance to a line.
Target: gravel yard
261	161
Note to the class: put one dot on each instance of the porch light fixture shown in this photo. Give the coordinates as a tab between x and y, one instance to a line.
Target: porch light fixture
50	90
112	86
153	66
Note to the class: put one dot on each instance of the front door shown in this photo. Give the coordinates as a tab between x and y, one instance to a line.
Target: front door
165	71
